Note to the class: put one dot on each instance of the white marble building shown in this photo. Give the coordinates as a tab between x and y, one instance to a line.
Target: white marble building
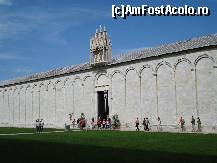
168	81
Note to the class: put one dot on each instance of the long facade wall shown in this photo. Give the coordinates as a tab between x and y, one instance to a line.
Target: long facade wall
169	87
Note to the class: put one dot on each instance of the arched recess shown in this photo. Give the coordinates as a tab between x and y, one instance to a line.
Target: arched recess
166	94
1	106
6	105
51	104
102	80
118	96
88	108
10	108
43	112
185	90
35	90
206	90
132	96
22	106
102	83
148	94
16	106
78	97
29	118
68	99
60	117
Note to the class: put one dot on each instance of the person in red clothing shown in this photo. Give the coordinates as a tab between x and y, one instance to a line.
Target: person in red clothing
182	122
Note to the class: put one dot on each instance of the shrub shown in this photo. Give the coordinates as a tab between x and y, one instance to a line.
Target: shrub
116	122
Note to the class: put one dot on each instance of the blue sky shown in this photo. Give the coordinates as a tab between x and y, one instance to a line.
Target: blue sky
39	35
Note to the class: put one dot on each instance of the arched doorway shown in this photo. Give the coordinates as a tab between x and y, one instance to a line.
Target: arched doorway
102	94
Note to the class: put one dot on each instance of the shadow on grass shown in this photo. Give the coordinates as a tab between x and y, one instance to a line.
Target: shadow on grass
38	151
13	130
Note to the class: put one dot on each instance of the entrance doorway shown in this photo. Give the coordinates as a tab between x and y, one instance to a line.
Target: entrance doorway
103	108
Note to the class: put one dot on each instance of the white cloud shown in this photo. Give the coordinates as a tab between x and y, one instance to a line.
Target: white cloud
43	23
23	70
5	2
12	57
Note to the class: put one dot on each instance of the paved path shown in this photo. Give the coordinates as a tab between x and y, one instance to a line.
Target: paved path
30	133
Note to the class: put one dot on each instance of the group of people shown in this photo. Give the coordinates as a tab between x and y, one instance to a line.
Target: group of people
106	123
146	124
193	124
102	123
39	125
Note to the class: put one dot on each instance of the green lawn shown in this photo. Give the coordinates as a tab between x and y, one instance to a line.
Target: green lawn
108	146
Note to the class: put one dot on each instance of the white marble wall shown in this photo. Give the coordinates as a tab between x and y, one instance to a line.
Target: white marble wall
169	87
132	96
1	105
29	107
16	107
185	90
88	92
117	100
206	90
148	94
51	111
10	108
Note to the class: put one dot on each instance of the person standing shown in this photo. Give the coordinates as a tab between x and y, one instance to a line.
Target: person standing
182	122
107	124
37	125
144	124
99	123
147	124
73	123
137	124
198	124
78	122
92	123
159	128
42	125
110	123
103	123
193	123
39	128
